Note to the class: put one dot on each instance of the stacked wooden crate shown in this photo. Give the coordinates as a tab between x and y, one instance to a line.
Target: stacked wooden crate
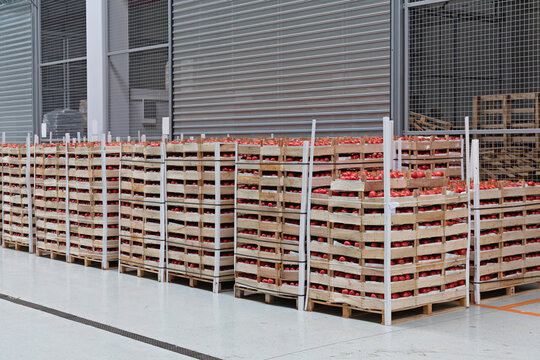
17	202
271	212
50	199
509	236
434	153
514	153
93	196
142	239
200	210
429	245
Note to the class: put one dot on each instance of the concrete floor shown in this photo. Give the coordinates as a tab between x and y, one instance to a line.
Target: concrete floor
226	327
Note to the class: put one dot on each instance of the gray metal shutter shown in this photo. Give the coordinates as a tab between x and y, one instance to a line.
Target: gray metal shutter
257	67
16	115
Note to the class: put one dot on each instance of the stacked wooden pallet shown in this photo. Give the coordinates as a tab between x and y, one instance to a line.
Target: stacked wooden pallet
200	210
429	244
513	154
508	238
141	229
271	212
17	201
93	202
50	199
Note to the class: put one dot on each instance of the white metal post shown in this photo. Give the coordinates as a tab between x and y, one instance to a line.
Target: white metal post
308	208
217	216
302	238
68	226
104	203
162	212
29	198
235	239
387	162
475	167
119	210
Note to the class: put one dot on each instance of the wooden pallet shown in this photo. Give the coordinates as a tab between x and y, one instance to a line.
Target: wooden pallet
53	255
269	298
15	245
421	122
401	315
139	271
90	261
504	291
194	281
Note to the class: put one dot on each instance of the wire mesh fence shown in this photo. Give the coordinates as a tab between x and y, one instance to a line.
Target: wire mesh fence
63	67
479	58
138	66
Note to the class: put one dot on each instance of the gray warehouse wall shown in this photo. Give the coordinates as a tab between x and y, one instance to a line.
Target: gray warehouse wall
260	67
16	113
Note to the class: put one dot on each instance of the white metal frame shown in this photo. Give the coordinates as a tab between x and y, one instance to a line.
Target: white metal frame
29	198
217	216
68	220
163	213
308	210
388	139
105	205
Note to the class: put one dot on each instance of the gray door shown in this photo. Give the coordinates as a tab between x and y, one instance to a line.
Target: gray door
256	67
16	115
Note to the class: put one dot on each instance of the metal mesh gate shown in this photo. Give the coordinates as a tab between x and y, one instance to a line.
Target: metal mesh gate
63	66
478	58
138	67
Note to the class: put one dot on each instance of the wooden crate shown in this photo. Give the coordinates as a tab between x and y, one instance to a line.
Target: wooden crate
269	202
509	241
200	211
140	230
428	246
89	210
18	218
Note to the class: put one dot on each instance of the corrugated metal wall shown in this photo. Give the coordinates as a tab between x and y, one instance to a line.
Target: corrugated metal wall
257	67
16	114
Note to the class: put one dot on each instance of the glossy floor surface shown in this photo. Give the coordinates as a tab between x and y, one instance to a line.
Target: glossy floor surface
222	326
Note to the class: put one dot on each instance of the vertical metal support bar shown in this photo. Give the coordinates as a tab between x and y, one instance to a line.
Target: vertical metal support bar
308	217
104	204
465	154
462	152
475	159
387	162
217	216
119	211
302	238
406	65
2	190
235	205
399	155
171	89
68	227
163	212
29	198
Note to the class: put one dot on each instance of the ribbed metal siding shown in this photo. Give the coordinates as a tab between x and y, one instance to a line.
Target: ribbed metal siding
260	67
16	115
